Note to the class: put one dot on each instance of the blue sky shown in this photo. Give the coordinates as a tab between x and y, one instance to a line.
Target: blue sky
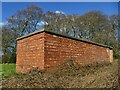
9	8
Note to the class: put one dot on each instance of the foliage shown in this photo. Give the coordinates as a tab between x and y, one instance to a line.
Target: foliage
94	26
21	23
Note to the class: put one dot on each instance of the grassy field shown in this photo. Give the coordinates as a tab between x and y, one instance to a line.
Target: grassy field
7	70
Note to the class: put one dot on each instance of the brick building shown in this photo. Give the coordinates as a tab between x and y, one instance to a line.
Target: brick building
45	49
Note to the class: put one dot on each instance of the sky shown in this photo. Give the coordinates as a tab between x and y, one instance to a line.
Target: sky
109	8
60	0
10	8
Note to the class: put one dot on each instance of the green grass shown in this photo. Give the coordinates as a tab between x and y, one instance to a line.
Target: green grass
7	70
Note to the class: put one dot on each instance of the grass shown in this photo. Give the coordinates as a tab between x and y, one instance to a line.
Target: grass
68	75
7	70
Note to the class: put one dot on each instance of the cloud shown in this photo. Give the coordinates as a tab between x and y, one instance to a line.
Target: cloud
39	24
42	23
59	12
1	24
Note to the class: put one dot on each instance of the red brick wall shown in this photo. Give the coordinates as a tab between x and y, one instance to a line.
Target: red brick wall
30	53
45	50
58	49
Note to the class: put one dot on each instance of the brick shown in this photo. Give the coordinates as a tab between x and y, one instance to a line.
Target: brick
45	50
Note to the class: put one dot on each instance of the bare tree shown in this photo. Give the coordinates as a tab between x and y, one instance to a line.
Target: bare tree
23	22
94	26
26	21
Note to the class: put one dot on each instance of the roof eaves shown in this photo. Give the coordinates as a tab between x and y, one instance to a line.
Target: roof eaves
70	37
83	40
31	34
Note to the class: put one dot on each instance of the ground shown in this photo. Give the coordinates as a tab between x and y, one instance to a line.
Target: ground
68	75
